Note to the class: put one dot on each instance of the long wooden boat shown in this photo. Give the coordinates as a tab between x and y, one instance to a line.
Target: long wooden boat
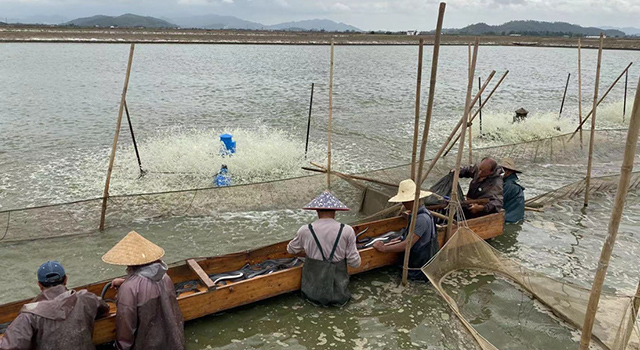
209	299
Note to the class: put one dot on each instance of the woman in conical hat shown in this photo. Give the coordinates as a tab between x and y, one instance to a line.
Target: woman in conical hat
425	239
329	247
148	315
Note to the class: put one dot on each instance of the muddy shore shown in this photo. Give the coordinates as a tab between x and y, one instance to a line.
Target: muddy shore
202	36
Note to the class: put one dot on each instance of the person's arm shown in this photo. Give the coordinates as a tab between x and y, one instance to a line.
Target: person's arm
468	171
18	335
353	257
394	247
126	317
495	199
296	246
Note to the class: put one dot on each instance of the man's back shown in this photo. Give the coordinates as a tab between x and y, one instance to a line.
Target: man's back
327	231
513	199
57	319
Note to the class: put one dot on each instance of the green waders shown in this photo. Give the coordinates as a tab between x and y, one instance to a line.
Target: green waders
325	282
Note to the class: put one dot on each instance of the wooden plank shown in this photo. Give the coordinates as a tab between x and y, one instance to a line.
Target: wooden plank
202	276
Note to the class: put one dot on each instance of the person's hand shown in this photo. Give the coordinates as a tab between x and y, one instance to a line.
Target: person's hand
379	246
476	208
116	283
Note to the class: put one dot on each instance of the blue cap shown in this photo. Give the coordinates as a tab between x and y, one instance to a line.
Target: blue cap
51	272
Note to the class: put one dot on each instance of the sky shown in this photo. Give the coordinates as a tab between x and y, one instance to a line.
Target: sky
364	14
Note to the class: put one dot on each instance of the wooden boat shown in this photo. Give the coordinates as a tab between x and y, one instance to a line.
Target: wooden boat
209	298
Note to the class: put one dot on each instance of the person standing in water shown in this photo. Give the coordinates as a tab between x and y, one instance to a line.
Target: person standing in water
148	316
329	246
512	192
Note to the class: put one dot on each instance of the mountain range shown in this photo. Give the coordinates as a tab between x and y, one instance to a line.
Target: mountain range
534	28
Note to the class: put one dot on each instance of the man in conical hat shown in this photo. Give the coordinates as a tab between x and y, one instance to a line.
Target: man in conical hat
148	316
329	247
512	192
425	239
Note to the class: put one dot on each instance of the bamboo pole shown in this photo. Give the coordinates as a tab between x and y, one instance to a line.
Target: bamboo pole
478	111
423	145
614	222
306	145
593	123
624	101
465	118
601	99
470	136
564	95
580	88
416	122
480	104
330	119
105	195
634	316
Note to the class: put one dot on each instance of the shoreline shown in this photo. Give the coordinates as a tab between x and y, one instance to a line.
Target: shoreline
30	34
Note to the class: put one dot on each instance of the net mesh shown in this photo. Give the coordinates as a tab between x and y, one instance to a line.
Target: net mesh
615	319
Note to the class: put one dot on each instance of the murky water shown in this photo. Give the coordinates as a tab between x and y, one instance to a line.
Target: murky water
56	134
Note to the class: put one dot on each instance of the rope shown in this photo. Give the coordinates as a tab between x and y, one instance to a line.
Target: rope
7	229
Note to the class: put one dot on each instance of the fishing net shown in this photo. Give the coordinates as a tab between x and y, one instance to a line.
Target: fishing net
615	319
553	163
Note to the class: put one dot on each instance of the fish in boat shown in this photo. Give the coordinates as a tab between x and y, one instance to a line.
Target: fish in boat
207	286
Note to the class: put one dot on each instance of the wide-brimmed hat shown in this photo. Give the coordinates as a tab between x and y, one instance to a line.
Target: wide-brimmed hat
507	163
133	250
326	201
407	192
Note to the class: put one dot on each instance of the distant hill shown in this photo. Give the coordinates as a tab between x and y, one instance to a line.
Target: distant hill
126	20
627	30
535	28
314	24
215	22
40	19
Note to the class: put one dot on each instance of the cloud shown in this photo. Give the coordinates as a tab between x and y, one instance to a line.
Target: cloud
340	7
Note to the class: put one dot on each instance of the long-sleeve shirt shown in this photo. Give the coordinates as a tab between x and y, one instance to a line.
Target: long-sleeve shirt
490	187
148	315
56	319
327	231
513	194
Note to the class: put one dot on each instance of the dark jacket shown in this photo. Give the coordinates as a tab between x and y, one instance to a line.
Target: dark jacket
148	315
56	319
513	194
426	247
490	187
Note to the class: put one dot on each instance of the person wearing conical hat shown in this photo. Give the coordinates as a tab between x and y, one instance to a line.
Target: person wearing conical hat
57	318
148	316
512	192
425	240
329	247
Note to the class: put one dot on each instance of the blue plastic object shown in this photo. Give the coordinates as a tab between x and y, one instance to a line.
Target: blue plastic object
229	144
223	178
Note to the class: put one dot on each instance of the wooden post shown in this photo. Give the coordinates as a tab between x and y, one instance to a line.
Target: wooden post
480	100
416	122
564	95
580	88
593	123
105	195
423	145
601	99
465	118
470	136
614	222
624	101
330	117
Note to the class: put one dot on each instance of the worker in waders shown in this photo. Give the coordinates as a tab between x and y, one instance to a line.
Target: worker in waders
148	316
329	247
57	318
512	192
425	240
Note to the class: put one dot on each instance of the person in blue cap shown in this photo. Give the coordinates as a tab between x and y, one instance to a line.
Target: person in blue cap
329	246
57	318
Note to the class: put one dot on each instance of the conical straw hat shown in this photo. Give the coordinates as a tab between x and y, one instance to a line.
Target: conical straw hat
133	250
326	201
407	192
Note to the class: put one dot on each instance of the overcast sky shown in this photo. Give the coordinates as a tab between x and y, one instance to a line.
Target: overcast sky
364	14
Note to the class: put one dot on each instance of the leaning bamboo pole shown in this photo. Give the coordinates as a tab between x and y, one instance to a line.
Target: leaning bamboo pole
601	99
635	307
416	122
614	222
479	110
593	123
454	131
470	136
423	145
580	88
330	119
453	203
105	195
